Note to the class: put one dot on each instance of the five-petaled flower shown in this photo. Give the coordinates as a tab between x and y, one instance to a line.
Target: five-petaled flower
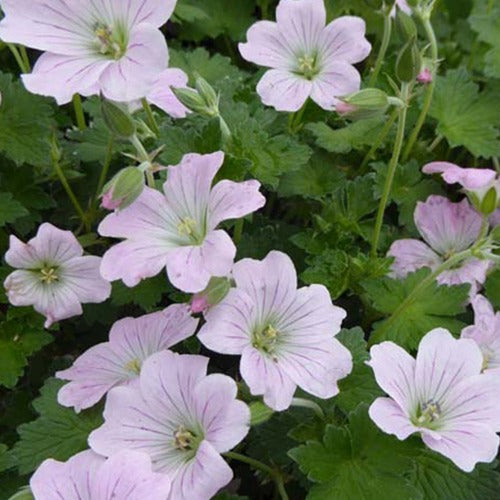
182	417
119	361
307	58
177	229
285	335
447	228
442	395
485	332
53	275
88	476
92	46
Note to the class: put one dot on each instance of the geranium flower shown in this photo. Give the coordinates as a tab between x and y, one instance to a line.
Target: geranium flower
306	57
178	229
485	332
447	228
442	395
285	335
88	476
119	361
92	46
182	417
52	275
161	94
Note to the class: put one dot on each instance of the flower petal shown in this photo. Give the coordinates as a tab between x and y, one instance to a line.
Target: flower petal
472	271
134	12
54	245
232	200
337	79
62	76
133	76
82	275
446	226
394	371
469	178
344	40
267	46
411	255
442	362
161	94
264	377
20	254
389	417
283	90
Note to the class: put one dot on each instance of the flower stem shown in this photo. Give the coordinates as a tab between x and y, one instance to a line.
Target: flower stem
496	164
70	193
20	62
238	230
80	117
402	112
295	119
417	291
256	464
429	94
435	143
386	38
151	117
307	403
380	139
105	166
25	57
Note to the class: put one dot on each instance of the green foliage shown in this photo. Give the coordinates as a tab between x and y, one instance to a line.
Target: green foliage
360	385
437	306
147	294
356	460
26	123
10	209
492	288
466	117
57	433
21	335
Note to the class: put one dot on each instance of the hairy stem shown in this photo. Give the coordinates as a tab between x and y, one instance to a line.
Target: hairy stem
386	38
429	94
151	118
276	475
80	117
393	164
380	139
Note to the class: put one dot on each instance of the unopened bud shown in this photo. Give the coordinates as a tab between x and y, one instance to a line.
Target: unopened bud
489	202
23	494
118	119
409	62
191	99
405	25
123	189
425	76
203	100
366	103
207	93
215	291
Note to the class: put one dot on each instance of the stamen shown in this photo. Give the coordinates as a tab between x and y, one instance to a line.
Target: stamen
187	226
307	66
134	366
429	412
107	42
266	339
183	439
48	275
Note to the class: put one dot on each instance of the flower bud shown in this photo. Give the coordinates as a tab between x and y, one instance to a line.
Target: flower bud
203	100
215	291
425	76
409	62
366	103
123	189
118	119
405	25
489	202
191	99
207	93
23	493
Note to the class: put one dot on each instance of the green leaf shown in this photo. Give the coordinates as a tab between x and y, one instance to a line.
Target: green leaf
466	117
409	187
437	306
6	461
485	21
21	335
360	385
147	294
10	209
356	461
344	140
57	433
492	288
437	478
26	123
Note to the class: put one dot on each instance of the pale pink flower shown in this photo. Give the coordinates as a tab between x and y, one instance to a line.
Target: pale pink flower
285	336
119	361
88	476
485	332
442	395
177	229
52	275
161	94
307	57
182	417
495	218
425	76
447	228
474	180
91	46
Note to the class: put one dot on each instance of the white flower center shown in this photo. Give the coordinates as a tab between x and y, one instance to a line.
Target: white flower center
189	227
134	366
266	339
184	439
48	275
308	66
108	42
428	413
